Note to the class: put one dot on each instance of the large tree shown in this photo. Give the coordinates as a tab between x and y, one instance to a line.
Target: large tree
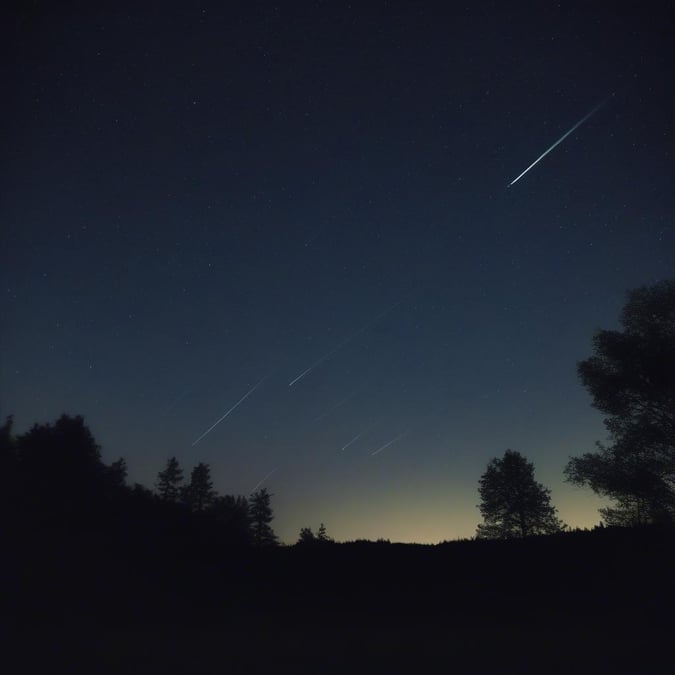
261	517
631	378
58	476
513	504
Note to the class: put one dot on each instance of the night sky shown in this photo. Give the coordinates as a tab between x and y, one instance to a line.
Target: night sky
202	198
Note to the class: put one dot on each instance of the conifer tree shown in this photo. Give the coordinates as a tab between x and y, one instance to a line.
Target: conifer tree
261	517
199	494
306	536
168	481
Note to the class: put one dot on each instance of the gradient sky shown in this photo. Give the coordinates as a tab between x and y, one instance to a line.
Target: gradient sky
197	196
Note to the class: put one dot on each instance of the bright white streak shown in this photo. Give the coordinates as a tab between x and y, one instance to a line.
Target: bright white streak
232	409
263	480
386	445
345	341
303	373
559	141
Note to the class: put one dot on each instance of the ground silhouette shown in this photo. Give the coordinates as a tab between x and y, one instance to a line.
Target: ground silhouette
102	577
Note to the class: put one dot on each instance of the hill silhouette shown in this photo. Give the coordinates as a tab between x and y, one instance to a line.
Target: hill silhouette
113	579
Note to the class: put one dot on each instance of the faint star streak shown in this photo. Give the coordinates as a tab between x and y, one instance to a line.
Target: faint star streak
559	141
361	433
232	409
386	445
356	438
302	374
345	341
259	483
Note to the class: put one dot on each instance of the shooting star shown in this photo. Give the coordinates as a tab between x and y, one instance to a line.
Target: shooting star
362	433
346	341
559	141
386	445
259	483
232	409
356	438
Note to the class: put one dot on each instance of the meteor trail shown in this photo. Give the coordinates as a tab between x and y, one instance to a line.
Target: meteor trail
304	372
356	438
232	409
361	433
345	341
386	445
259	483
559	141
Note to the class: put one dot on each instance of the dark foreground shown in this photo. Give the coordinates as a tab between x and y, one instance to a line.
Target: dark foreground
587	602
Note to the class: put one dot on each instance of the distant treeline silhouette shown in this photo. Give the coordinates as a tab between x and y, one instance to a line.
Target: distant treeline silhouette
54	477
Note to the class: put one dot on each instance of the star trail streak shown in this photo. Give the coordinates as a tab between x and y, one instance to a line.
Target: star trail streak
232	409
351	337
356	438
386	445
260	482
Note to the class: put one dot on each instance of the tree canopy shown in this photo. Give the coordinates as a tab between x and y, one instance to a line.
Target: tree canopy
513	504
631	378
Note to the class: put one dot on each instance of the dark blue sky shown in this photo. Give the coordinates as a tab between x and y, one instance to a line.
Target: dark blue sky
199	196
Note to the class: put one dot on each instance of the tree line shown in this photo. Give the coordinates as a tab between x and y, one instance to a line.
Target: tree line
54	472
54	477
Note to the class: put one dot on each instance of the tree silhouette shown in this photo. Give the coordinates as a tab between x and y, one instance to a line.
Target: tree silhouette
321	535
60	464
232	514
306	536
65	449
631	378
61	480
117	473
261	517
199	494
513	504
168	481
